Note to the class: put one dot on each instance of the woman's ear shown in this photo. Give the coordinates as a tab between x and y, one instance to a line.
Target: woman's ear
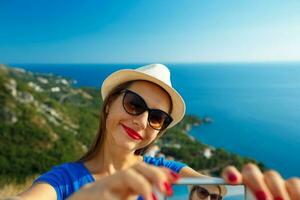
106	109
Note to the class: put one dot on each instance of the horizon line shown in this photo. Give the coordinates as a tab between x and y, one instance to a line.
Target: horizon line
162	62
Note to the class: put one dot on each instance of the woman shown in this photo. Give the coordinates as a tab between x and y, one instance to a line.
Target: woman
207	192
139	105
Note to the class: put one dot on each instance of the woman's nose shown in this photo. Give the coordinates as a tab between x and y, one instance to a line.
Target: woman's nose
141	120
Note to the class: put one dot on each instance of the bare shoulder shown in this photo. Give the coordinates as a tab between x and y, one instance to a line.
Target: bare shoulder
189	172
38	191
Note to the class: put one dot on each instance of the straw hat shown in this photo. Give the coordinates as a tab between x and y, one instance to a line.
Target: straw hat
155	73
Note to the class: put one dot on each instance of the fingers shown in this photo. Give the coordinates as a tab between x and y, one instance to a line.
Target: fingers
293	188
160	177
140	179
135	183
276	185
231	175
119	186
108	195
267	185
254	179
172	176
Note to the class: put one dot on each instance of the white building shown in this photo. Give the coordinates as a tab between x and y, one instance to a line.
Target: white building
207	153
55	89
35	86
43	80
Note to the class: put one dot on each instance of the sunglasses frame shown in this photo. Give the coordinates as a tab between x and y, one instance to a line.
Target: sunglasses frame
168	120
219	197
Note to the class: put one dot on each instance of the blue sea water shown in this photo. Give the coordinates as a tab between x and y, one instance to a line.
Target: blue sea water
255	107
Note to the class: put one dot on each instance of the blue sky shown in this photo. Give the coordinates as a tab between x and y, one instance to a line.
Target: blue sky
100	31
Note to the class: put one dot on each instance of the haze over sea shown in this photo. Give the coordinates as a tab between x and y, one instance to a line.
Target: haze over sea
255	107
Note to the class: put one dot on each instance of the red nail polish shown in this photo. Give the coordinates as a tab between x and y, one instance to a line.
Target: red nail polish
278	198
174	175
232	177
261	195
168	188
154	197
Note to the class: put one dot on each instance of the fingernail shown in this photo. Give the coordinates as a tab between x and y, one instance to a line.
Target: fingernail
174	175
232	177
168	188
261	195
278	198
154	197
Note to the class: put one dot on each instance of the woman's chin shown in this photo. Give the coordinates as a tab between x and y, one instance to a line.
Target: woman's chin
127	145
125	142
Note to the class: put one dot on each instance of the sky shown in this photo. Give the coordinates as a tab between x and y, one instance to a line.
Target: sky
120	31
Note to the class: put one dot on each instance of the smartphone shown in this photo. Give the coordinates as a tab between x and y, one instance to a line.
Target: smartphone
204	188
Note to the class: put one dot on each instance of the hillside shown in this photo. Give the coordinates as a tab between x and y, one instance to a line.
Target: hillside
45	120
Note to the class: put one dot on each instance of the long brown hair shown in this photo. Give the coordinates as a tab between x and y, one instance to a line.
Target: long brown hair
100	137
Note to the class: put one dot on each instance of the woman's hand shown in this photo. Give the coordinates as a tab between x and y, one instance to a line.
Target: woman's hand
137	180
268	185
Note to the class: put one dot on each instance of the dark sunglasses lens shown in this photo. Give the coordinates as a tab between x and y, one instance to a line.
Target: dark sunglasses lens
157	119
202	193
215	197
133	104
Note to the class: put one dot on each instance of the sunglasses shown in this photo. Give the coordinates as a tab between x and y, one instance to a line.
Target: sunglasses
203	194
135	105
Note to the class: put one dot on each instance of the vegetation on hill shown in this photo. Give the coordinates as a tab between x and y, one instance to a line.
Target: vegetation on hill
45	121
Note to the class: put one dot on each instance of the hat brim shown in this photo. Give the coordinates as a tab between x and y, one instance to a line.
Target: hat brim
126	75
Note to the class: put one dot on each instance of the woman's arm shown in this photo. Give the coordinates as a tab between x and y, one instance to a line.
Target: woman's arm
189	172
38	191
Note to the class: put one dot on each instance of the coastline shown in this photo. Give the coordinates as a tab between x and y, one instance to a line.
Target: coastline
242	113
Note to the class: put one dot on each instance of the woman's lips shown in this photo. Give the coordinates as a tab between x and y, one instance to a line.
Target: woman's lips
132	133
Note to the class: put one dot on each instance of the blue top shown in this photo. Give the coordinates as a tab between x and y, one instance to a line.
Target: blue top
70	177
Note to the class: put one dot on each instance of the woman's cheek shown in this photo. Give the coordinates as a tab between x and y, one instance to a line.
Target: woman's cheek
151	137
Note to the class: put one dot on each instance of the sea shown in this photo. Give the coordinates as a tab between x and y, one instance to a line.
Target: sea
255	107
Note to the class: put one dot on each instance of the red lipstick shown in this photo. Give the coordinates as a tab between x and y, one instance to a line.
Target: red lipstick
132	133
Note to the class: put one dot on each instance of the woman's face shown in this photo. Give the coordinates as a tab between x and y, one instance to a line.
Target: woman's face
131	132
211	189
